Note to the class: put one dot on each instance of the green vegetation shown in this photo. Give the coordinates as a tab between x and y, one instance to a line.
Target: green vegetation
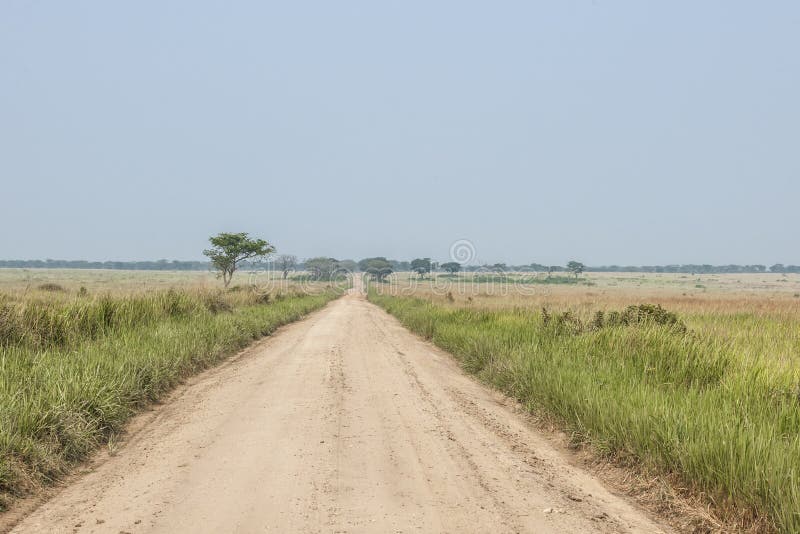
377	268
74	368
228	251
451	267
421	266
286	263
713	405
321	269
576	268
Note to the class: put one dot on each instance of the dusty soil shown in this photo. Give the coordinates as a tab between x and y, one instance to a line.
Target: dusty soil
343	422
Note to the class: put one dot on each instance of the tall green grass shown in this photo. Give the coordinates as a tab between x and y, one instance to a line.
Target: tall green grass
73	370
677	402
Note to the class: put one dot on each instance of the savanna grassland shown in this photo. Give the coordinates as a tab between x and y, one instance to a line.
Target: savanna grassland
82	351
692	379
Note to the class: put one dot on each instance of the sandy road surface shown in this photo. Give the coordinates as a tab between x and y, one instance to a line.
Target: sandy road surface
343	422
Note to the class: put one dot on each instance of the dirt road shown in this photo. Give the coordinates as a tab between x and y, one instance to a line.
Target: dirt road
343	422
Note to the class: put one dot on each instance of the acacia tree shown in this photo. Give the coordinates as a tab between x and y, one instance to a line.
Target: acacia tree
229	250
451	267
286	263
378	268
421	266
576	267
322	268
348	266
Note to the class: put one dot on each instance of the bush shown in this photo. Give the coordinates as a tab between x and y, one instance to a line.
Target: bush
49	286
640	315
215	303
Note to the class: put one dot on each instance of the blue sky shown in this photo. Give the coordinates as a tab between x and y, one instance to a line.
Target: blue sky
611	132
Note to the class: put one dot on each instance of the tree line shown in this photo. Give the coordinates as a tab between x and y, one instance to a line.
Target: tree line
674	268
288	263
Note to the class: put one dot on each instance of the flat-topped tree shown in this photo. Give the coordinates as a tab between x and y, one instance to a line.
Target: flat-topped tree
378	268
421	266
323	268
451	267
576	268
230	250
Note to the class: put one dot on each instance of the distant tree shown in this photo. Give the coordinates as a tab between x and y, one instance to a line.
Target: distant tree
348	265
322	268
229	250
576	268
421	266
286	263
378	268
363	264
777	268
499	267
399	266
451	267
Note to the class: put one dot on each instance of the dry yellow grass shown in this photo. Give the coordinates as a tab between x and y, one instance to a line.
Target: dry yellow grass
770	295
19	282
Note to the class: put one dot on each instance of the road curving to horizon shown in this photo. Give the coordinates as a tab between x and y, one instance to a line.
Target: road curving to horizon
341	422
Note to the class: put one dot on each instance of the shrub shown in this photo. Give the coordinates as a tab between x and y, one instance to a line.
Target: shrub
636	315
50	286
644	314
215	303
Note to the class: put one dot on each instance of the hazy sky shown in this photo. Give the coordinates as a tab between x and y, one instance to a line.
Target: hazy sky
606	131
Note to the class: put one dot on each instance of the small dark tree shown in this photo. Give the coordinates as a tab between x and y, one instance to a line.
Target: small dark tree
348	266
322	268
286	263
378	268
576	267
421	266
451	267
229	250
